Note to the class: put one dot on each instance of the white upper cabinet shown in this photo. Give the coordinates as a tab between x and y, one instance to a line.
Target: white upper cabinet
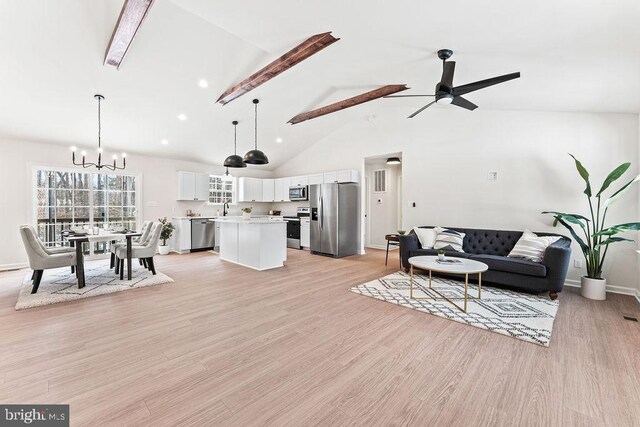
348	176
193	186
202	186
299	180
329	177
250	189
268	190
315	179
281	189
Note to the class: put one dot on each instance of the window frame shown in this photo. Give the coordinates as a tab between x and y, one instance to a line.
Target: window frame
234	190
33	212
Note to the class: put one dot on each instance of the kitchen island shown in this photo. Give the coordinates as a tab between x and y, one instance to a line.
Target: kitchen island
258	243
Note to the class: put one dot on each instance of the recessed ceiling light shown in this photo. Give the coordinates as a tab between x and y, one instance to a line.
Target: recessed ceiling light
182	116
164	142
203	83
278	140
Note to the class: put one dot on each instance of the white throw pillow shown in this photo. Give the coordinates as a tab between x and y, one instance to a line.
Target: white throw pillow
426	236
448	239
532	247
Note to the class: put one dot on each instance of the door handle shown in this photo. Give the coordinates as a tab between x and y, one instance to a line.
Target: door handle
321	214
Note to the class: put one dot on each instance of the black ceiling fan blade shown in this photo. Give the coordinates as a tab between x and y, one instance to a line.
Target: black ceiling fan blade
464	103
470	87
405	96
448	68
421	110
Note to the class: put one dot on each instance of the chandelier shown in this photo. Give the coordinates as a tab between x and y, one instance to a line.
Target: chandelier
99	165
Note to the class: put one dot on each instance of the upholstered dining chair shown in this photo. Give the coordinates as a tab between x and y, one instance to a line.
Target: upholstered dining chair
42	258
144	230
144	251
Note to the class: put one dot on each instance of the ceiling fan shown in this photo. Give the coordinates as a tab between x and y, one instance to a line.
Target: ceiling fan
446	93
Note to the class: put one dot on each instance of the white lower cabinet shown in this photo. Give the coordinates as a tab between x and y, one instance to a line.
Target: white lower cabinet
305	233
181	239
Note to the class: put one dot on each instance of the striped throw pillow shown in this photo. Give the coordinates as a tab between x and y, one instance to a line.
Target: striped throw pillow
448	240
532	247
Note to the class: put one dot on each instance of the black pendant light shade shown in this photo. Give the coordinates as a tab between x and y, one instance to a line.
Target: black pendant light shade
255	156
393	161
234	161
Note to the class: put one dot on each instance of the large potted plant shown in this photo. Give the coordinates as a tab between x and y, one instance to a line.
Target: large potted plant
591	233
165	234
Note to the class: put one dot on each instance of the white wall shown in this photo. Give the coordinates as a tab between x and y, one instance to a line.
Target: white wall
447	154
382	216
159	188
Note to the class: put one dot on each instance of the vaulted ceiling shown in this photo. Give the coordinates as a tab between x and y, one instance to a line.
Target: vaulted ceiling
573	56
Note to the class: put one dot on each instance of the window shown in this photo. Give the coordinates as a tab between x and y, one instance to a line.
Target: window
77	199
221	189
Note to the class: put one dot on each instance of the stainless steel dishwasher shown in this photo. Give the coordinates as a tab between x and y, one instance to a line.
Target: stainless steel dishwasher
203	234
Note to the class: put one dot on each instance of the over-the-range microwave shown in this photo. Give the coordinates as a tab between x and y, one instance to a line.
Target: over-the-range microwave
298	192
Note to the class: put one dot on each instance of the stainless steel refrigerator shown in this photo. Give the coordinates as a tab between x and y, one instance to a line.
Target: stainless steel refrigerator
335	219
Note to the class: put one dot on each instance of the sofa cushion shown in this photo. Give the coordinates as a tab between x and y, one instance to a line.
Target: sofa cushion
426	236
423	252
532	247
512	265
448	239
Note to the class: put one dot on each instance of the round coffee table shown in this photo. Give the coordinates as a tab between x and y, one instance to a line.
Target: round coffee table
465	266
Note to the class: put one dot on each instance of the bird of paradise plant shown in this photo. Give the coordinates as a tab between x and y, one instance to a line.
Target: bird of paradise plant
597	236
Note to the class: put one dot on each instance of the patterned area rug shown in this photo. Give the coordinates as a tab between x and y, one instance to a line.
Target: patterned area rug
60	285
522	316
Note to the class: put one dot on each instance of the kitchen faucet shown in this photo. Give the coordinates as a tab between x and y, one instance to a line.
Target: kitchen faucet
225	206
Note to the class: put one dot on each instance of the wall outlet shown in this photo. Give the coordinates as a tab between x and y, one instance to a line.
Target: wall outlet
577	263
492	176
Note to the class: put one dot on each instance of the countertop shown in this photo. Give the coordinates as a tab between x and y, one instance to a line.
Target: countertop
240	220
220	216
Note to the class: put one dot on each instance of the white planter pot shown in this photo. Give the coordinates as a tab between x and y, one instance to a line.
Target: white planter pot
163	250
593	288
441	257
246	215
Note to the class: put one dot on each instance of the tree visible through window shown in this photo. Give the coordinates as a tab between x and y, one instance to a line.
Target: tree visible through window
220	189
70	199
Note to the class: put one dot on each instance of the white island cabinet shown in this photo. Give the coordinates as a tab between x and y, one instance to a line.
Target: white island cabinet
258	243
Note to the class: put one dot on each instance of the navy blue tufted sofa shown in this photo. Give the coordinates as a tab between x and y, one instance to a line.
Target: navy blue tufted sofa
492	247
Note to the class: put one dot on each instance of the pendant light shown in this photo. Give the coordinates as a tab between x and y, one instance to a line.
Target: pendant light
234	161
98	165
393	161
255	156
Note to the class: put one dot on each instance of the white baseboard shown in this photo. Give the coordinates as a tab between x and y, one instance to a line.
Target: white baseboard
18	266
610	288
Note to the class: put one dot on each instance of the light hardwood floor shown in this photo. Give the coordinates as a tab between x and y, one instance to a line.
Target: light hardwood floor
225	345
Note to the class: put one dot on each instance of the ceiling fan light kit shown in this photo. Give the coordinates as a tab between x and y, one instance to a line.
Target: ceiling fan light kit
255	156
446	93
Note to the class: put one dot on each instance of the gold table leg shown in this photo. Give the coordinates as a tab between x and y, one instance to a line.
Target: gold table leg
411	282
466	291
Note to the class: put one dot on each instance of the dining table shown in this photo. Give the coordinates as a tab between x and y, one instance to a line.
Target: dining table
76	240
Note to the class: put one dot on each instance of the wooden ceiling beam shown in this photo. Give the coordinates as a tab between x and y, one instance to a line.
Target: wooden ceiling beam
304	50
350	102
131	17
